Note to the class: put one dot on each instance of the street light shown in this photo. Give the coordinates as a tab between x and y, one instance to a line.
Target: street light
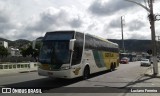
151	20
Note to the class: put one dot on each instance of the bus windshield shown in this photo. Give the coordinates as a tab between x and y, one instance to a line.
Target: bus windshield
55	52
55	49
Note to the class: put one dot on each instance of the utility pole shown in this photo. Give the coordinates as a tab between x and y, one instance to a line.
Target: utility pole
154	53
157	45
122	34
152	27
158	51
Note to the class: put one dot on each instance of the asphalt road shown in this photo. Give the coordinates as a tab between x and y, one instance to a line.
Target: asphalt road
126	75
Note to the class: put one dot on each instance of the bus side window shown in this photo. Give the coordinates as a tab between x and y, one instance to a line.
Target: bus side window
76	56
78	48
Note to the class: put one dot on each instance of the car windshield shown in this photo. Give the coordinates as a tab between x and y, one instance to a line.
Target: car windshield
124	58
144	60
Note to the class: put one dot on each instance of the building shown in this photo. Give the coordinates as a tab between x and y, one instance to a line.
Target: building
14	52
4	43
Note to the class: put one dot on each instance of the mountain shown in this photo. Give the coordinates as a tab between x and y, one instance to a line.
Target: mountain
2	39
20	43
17	43
133	45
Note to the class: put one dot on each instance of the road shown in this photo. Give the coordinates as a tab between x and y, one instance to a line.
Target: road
126	75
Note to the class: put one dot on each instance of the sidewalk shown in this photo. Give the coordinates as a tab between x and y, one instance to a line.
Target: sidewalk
146	81
149	72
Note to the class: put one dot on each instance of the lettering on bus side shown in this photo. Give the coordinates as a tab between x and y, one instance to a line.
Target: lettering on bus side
109	55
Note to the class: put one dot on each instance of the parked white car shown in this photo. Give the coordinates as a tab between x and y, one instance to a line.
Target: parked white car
145	62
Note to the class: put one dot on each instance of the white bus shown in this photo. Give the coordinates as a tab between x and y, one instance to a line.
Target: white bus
70	54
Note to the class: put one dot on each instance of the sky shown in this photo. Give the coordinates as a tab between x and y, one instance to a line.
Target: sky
30	19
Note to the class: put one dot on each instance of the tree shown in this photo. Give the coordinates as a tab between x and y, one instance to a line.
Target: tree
36	51
23	52
3	51
31	52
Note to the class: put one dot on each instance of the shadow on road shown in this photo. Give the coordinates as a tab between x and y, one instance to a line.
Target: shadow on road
49	83
58	85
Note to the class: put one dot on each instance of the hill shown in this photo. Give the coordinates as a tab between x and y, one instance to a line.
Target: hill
2	39
20	43
134	45
17	43
131	45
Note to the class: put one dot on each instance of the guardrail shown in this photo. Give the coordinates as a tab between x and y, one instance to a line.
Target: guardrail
18	65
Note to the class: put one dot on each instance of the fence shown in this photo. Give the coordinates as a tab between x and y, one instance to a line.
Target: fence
11	68
16	59
18	65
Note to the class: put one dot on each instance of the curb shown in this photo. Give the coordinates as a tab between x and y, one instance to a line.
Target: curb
152	75
28	71
149	73
15	72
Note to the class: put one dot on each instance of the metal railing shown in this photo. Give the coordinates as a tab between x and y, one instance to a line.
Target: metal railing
18	65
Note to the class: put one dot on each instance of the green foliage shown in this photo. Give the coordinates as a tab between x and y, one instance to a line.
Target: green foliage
3	51
29	51
19	43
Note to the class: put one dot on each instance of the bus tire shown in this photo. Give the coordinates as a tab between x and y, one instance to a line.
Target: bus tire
86	73
112	68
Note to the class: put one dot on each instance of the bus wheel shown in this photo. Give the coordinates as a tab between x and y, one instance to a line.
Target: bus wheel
86	73
112	68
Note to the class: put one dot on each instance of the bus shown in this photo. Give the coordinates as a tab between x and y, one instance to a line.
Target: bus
71	54
131	56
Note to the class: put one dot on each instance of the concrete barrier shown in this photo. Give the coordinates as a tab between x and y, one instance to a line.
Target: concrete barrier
18	67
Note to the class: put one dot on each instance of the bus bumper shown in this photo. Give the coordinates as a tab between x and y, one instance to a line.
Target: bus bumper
55	74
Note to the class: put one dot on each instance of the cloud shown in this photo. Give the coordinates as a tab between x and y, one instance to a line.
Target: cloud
113	27
134	29
35	25
44	21
9	29
135	25
3	18
32	18
51	18
101	8
139	36
92	26
116	23
5	21
76	23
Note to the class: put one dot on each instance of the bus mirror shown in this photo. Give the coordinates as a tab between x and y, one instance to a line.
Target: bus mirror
71	44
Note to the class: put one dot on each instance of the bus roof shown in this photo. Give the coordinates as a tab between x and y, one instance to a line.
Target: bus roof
60	31
102	39
84	33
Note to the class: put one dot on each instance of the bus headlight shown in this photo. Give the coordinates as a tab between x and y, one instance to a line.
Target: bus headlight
39	65
65	67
